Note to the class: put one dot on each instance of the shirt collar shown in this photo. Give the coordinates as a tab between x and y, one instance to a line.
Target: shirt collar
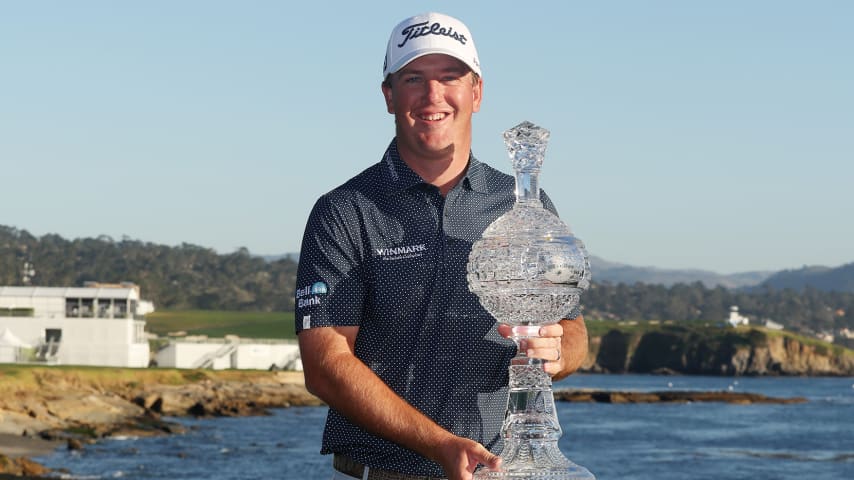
400	177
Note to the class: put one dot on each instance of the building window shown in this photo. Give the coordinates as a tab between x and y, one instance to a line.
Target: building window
120	308
87	307
72	307
52	335
105	308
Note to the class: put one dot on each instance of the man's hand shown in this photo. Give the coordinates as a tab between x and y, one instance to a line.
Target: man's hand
562	345
460	457
344	382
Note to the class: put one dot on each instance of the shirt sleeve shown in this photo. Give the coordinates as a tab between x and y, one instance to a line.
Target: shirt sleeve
330	288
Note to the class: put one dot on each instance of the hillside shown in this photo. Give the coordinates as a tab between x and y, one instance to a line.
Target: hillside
809	311
612	272
716	351
190	277
839	279
181	277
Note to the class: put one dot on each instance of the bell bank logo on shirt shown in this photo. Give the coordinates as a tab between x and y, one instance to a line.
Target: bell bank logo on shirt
312	291
399	253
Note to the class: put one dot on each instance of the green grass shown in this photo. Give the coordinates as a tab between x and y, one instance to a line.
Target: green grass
597	328
18	377
278	325
218	324
752	335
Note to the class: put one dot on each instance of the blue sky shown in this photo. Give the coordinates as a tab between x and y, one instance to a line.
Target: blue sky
715	135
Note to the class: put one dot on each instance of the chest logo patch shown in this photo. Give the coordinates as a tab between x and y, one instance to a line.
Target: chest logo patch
399	253
310	294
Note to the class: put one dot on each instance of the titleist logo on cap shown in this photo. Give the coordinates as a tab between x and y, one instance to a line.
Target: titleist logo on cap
427	34
421	29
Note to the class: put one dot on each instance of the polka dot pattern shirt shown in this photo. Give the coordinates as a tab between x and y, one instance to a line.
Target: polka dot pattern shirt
387	252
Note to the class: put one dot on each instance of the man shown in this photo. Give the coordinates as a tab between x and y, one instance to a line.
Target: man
413	369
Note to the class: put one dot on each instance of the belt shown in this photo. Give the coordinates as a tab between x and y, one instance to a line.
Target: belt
352	468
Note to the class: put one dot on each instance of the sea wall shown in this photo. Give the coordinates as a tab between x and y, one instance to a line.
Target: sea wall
714	352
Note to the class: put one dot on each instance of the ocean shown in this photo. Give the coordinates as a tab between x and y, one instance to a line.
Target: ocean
812	440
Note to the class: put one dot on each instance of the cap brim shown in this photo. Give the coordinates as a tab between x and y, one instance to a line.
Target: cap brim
411	56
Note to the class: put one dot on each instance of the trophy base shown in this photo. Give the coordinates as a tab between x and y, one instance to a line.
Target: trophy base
569	472
534	460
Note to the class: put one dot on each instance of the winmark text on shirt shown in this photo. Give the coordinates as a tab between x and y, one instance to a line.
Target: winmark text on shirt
397	253
421	29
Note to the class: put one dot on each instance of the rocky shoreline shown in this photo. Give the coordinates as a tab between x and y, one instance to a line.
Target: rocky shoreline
669	396
64	408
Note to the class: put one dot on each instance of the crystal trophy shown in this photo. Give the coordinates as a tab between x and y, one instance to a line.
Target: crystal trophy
529	270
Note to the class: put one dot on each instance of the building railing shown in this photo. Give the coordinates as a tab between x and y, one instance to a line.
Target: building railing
42	354
262	341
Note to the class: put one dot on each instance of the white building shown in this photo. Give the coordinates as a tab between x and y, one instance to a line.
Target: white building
772	325
93	325
230	352
735	319
825	336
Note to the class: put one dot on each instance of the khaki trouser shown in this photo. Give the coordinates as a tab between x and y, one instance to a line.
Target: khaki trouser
346	469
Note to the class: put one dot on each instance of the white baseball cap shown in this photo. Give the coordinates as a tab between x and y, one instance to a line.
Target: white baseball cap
429	33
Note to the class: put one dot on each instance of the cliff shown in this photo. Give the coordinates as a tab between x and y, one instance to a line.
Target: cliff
715	351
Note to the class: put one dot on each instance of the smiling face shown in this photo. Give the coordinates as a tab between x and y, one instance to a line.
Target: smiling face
433	99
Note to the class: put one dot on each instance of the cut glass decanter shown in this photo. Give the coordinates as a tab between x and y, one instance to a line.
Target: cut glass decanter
529	270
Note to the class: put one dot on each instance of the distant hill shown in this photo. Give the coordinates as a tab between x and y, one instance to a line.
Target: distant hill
194	277
822	278
605	271
613	272
173	277
839	279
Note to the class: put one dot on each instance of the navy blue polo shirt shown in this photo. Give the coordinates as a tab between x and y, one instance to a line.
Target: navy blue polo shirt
387	252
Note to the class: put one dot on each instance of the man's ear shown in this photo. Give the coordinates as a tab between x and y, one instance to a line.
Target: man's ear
477	95
387	94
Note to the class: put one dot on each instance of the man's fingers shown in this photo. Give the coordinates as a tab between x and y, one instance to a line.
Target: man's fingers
553	330
545	348
489	459
505	330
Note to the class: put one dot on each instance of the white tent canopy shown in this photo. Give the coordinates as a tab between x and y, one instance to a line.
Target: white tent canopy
9	339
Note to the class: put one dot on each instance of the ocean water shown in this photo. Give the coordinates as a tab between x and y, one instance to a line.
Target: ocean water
812	440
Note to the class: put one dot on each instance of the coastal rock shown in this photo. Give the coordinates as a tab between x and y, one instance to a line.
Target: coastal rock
18	423
63	406
91	408
21	467
669	396
223	398
74	444
714	352
616	350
